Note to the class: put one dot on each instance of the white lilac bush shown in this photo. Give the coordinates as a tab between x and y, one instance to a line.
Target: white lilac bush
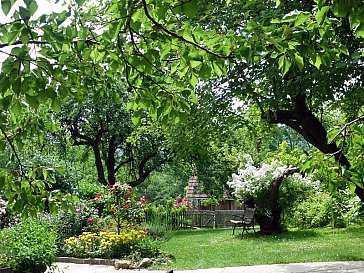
252	184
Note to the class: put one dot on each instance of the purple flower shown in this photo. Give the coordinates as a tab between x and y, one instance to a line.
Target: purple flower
90	220
96	211
78	210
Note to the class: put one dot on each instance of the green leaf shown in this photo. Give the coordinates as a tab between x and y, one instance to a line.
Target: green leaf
320	3
56	105
359	32
299	61
80	2
190	8
284	64
193	80
136	118
278	3
302	18
321	14
290	17
340	8
16	108
33	101
6	6
318	61
217	69
193	98
31	5
53	208
24	12
332	134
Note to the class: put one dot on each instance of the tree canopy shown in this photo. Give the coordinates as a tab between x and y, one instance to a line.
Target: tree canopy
294	59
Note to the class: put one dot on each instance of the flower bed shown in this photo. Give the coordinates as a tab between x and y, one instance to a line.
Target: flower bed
103	244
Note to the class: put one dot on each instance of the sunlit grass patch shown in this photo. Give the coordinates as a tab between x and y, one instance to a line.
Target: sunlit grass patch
218	248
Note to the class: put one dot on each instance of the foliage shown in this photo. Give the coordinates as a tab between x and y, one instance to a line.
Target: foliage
88	189
29	246
122	204
166	183
317	211
103	124
66	225
104	244
323	208
253	184
172	216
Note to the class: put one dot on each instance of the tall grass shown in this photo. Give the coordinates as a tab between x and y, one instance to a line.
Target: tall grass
207	248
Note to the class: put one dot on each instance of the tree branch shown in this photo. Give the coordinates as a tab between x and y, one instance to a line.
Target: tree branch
181	38
14	152
346	126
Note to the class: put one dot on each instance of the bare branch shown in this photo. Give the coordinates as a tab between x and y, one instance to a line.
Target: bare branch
346	126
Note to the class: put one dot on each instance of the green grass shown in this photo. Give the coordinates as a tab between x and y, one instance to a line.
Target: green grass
207	248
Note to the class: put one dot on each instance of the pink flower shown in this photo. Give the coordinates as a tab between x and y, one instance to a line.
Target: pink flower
90	220
96	211
78	210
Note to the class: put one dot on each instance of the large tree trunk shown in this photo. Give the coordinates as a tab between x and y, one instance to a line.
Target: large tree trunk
301	119
98	163
110	161
272	224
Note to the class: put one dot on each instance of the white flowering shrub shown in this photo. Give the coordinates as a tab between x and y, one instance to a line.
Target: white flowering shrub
4	220
253	184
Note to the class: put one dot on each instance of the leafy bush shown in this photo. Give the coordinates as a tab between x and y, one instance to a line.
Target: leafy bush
147	247
318	210
66	225
29	247
121	203
253	185
88	190
160	219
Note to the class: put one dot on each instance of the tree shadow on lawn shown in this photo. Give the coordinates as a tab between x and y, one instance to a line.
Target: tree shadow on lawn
287	235
297	235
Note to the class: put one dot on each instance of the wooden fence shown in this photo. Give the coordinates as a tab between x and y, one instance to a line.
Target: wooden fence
194	218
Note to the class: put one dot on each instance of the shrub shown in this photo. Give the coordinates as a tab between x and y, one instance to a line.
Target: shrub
87	190
318	210
66	225
122	204
29	247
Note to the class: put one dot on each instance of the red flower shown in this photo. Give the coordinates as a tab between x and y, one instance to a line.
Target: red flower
97	196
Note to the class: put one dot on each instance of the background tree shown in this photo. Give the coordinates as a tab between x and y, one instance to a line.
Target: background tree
105	125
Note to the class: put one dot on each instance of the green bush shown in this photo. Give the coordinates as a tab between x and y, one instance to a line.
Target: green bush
318	210
66	225
88	190
28	247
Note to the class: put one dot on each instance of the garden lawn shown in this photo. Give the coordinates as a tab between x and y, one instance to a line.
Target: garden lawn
207	248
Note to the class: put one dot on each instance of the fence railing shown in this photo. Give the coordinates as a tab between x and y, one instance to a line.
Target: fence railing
193	218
